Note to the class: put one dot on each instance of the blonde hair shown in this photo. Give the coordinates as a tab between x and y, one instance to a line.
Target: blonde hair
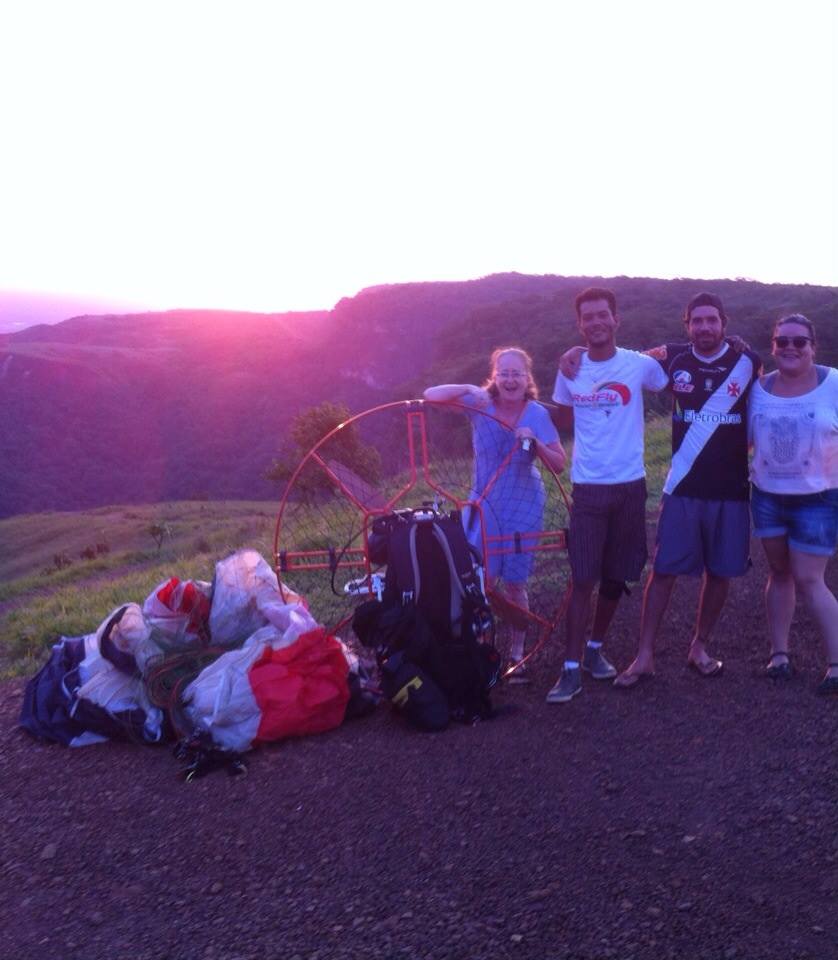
531	391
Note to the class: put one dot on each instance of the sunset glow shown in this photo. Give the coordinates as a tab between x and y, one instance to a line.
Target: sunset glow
277	156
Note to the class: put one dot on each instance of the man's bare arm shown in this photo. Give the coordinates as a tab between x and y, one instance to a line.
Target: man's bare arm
570	361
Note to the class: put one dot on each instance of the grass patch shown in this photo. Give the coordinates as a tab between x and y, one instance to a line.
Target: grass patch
75	599
658	457
32	541
27	633
42	581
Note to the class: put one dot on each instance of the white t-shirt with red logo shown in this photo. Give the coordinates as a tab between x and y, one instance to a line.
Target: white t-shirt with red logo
607	402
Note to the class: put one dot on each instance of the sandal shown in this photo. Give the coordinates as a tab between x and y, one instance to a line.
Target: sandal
829	685
707	668
626	680
779	671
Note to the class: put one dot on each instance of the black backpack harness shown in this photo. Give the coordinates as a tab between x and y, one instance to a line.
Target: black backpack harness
431	627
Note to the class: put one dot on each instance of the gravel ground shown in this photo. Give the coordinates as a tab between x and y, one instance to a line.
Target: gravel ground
688	818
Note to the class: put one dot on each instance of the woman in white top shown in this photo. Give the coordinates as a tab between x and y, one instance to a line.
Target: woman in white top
793	421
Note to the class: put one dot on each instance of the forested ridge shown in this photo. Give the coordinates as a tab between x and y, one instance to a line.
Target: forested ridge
197	404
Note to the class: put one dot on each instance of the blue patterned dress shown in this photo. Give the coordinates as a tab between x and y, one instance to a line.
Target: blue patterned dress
515	502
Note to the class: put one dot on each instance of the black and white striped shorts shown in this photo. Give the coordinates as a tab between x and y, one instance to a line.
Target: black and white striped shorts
607	538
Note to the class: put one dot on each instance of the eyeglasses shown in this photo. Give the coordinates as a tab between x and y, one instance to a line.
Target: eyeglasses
510	375
797	342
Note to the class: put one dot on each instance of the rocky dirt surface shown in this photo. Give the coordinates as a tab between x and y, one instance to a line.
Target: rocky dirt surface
688	818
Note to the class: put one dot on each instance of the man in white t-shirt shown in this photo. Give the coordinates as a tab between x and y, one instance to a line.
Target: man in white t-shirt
607	537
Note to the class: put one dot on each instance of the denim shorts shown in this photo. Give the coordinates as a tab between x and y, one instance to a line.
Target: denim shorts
809	520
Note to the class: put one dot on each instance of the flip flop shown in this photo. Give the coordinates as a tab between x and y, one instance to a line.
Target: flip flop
625	681
711	669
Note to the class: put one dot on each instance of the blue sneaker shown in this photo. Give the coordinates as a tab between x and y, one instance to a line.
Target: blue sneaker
594	663
567	686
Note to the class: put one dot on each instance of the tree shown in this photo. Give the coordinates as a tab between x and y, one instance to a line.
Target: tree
345	449
158	531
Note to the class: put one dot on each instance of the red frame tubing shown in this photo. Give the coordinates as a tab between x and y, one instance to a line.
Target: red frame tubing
356	556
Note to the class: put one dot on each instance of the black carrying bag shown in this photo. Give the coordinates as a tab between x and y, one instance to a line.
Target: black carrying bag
413	692
433	620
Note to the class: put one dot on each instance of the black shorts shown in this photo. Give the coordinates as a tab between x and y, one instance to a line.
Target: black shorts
607	538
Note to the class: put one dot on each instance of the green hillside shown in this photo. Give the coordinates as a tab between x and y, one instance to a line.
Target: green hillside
42	596
651	312
97	411
197	404
47	588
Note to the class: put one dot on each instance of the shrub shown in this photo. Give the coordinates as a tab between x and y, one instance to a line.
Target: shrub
158	532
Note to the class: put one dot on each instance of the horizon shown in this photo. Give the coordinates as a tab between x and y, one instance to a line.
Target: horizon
51	304
277	159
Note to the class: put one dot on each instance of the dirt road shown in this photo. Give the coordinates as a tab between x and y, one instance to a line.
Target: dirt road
689	818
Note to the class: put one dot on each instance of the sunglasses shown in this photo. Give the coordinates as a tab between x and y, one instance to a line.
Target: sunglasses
797	342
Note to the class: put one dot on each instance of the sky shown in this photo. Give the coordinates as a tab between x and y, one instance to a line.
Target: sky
281	155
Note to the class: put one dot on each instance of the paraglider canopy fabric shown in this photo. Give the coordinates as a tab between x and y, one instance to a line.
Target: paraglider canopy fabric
300	689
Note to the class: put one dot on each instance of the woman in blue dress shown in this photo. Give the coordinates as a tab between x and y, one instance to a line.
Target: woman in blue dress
509	489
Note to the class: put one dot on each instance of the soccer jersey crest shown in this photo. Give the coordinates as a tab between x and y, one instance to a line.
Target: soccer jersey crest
709	428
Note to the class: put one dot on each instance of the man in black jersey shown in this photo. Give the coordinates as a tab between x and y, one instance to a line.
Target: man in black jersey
704	526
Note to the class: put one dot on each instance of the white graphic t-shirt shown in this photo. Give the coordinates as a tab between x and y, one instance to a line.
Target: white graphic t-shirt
607	402
795	439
